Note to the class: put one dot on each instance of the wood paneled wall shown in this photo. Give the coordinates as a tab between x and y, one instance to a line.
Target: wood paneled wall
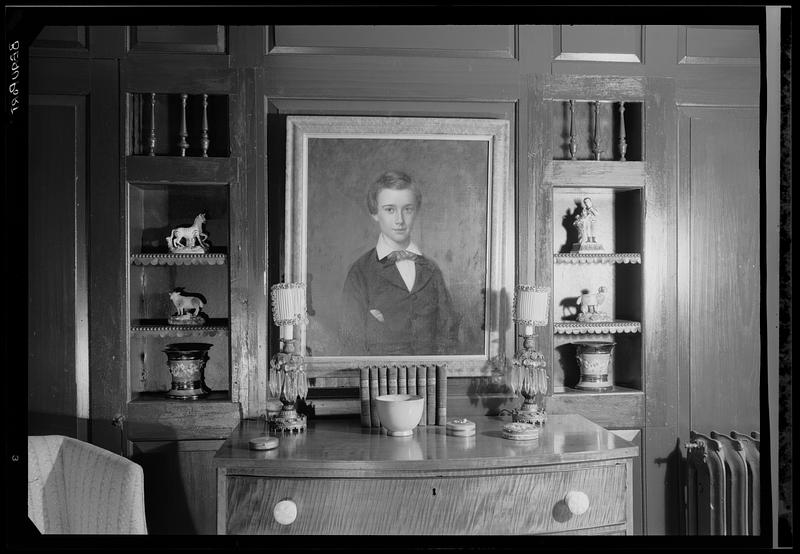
486	72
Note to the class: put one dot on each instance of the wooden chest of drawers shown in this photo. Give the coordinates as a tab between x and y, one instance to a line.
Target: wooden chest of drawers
341	479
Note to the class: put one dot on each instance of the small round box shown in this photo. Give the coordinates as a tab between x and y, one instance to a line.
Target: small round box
460	428
520	432
263	443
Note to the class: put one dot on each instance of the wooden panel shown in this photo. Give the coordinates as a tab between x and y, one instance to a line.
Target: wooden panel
444	505
173	169
371	77
107	262
659	256
665	479
590	88
177	38
599	43
247	45
154	417
57	40
107	41
62	76
710	85
720	148
538	209
635	436
58	341
248	294
479	41
718	45
613	409
595	174
174	75
180	486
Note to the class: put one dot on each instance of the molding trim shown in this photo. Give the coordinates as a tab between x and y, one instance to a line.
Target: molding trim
613	57
684	57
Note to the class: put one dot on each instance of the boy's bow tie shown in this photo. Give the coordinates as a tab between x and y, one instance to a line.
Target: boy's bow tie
398	255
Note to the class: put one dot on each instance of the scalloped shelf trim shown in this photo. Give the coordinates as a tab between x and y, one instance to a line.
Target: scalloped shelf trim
179	259
599	328
611	258
178	331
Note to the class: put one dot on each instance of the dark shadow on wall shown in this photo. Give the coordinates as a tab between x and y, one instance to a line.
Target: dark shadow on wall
166	505
40	423
674	485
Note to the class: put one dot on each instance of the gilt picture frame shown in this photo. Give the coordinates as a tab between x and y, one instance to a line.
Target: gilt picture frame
463	227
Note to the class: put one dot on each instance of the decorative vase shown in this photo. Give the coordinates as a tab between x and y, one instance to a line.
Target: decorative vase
594	358
187	364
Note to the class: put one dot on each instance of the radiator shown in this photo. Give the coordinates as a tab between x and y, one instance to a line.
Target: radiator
722	484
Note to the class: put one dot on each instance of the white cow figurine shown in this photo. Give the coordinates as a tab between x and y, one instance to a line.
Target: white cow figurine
186	304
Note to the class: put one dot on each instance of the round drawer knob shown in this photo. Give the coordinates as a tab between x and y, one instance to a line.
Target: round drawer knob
577	502
285	512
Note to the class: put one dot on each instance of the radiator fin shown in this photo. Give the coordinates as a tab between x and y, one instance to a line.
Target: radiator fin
723	492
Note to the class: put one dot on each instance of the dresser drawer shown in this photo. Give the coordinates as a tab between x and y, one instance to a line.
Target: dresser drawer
520	502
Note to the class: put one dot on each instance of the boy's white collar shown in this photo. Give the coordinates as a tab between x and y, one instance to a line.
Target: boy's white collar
384	247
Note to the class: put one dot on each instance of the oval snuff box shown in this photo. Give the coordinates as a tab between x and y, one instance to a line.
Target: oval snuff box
460	427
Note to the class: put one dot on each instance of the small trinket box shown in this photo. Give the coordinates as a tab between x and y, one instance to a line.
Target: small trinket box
520	432
263	443
460	428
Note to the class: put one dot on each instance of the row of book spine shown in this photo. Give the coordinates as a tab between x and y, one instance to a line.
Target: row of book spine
427	381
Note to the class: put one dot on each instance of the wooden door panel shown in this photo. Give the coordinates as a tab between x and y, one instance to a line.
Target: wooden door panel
720	190
58	373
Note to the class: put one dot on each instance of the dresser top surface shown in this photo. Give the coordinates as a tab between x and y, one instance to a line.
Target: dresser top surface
343	444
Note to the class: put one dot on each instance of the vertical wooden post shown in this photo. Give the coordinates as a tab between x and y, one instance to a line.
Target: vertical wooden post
152	141
623	146
573	147
182	144
204	140
595	143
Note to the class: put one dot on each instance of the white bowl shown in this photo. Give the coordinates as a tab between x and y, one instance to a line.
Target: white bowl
399	413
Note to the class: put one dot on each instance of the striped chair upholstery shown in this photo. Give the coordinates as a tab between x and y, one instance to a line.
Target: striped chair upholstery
77	487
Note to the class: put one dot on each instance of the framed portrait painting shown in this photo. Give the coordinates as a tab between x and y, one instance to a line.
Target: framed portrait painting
402	229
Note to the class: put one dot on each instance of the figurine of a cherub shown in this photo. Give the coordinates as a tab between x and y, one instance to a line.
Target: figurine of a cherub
584	222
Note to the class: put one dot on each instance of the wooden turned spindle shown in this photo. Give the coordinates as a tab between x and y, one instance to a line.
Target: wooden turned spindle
204	140
595	142
573	147
182	144
152	140
623	145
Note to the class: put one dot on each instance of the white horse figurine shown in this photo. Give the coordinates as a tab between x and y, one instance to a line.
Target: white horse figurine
191	235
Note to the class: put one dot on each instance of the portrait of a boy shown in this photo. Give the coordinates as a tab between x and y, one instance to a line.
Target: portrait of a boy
395	301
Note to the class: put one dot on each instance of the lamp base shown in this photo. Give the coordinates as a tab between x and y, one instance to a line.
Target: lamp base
534	417
288	420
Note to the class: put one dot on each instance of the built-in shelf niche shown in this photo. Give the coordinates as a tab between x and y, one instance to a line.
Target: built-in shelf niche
618	225
159	116
608	130
155	209
618	268
625	369
150	373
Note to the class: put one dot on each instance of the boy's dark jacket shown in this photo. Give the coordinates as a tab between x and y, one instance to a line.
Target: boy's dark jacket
420	322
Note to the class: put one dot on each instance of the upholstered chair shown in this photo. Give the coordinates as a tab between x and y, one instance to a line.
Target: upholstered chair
77	487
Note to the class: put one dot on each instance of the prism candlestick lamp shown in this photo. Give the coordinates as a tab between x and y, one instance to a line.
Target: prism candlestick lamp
287	374
527	374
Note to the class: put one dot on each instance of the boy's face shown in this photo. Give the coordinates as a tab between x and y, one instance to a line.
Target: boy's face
397	210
